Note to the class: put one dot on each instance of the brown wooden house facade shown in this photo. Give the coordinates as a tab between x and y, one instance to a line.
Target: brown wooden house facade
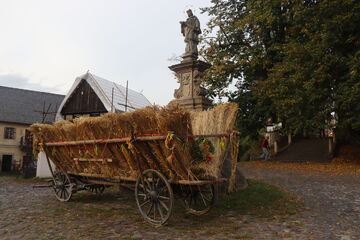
83	101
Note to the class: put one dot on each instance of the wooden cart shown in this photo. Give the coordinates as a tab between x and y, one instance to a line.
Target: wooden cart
154	193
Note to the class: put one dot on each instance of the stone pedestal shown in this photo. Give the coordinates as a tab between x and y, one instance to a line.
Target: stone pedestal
190	95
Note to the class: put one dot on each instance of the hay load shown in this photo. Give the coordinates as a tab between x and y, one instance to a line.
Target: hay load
118	146
220	119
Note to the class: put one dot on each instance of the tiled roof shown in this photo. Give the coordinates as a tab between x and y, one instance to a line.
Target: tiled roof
26	106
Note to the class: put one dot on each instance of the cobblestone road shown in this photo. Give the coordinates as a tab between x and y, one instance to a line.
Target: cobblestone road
333	202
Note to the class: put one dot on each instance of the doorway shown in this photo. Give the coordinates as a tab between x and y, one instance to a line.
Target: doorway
6	163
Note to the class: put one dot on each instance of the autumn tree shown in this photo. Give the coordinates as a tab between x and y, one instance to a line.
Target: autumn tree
295	61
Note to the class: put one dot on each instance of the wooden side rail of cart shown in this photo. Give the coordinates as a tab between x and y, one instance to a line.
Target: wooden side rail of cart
126	139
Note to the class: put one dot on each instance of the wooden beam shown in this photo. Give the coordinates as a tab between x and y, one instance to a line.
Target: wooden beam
93	159
199	182
103	141
119	140
103	176
112	183
184	182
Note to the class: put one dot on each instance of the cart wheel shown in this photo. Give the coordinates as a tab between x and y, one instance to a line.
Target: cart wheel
96	188
198	200
62	186
154	197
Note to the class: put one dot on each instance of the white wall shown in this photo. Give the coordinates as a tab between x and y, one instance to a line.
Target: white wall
42	170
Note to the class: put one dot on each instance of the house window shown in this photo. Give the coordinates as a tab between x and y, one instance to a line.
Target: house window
9	133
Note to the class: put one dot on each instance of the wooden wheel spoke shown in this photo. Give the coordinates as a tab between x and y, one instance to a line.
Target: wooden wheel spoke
63	179
207	199
62	193
154	211
161	190
142	194
189	202
160	211
151	207
146	202
152	182
57	190
157	182
144	188
163	198
149	185
202	198
66	194
164	205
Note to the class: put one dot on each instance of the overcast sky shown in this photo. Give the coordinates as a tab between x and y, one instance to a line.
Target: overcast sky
46	44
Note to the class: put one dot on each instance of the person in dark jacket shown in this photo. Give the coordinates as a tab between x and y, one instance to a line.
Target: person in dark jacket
265	149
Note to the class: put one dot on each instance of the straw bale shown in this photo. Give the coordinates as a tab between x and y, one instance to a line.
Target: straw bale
150	154
176	161
218	120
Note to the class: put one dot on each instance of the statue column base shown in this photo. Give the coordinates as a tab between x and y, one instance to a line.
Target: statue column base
196	103
188	57
190	95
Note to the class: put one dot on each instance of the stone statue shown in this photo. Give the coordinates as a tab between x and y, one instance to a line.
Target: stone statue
191	30
189	72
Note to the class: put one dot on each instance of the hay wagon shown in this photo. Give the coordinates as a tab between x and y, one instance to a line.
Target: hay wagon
159	167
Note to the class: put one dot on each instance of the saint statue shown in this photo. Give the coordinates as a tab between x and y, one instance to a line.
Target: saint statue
190	29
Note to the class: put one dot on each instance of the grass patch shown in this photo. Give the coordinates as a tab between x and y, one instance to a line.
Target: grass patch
260	199
258	202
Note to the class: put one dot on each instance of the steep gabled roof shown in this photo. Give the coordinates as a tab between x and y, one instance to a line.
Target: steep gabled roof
25	106
106	91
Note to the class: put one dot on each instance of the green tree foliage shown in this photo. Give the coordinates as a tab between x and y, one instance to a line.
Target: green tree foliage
295	61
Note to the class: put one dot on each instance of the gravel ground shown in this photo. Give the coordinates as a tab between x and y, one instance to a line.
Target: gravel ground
333	213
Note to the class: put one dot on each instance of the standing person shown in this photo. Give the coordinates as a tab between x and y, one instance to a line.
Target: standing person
265	149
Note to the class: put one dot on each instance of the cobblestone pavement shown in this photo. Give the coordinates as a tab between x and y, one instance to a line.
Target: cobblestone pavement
333	202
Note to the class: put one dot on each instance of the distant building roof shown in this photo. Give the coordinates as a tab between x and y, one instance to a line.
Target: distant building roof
109	93
26	106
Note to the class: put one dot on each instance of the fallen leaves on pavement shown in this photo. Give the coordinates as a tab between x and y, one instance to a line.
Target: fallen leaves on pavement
347	161
331	168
